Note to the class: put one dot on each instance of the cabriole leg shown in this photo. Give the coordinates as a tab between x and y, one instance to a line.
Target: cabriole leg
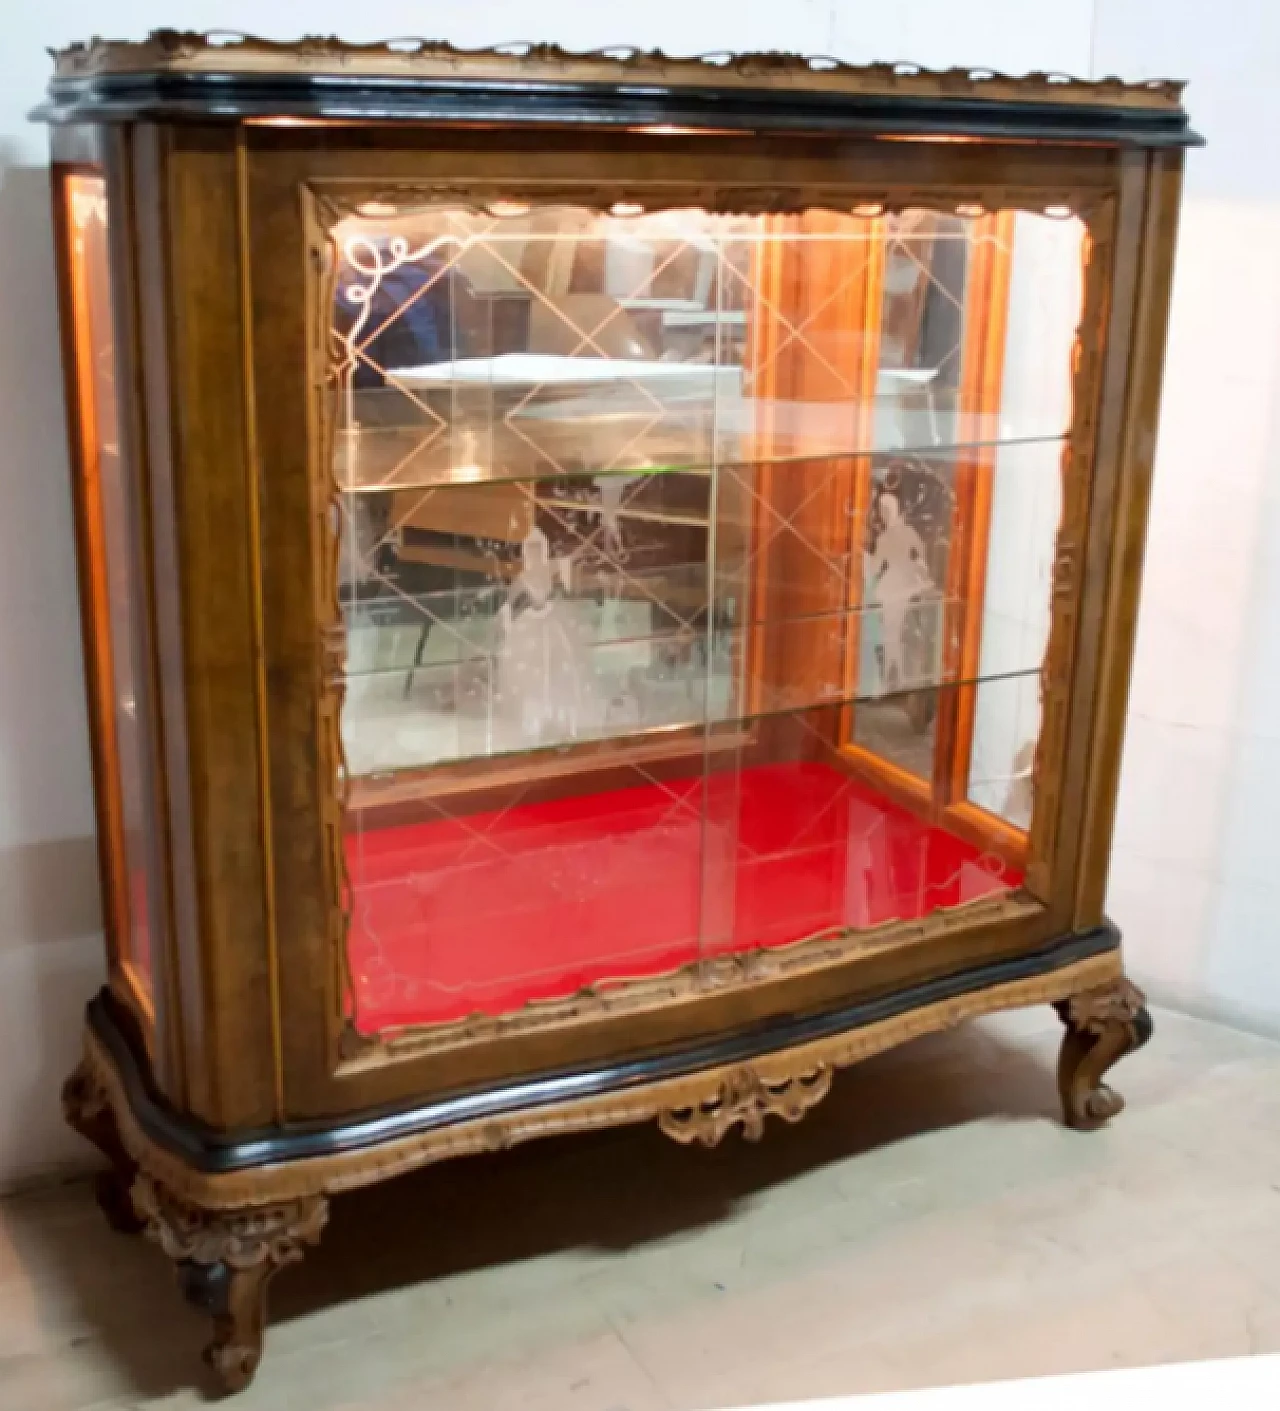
224	1261
87	1111
1103	1024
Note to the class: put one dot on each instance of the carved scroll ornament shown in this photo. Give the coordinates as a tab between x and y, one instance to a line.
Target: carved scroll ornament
745	1099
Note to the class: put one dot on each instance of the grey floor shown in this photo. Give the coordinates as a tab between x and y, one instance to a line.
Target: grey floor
929	1224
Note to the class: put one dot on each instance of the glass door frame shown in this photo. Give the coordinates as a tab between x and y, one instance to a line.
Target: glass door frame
298	181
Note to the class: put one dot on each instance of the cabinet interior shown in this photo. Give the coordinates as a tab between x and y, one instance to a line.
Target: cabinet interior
695	571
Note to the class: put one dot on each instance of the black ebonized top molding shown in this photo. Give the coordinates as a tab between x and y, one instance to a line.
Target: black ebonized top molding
175	76
215	1152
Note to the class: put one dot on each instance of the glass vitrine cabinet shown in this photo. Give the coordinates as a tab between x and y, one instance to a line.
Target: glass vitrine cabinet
608	589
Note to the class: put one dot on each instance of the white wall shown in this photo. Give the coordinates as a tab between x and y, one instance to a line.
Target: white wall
1196	868
1192	885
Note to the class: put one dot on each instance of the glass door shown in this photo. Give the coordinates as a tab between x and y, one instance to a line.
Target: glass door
695	576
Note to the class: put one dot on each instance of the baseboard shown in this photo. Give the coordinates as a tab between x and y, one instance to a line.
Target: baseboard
1209	1009
58	1173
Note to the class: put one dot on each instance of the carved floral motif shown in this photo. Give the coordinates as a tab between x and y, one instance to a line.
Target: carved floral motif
234	52
745	1099
1093	1010
275	1234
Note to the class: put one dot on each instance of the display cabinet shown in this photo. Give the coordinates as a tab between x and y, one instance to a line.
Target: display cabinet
608	588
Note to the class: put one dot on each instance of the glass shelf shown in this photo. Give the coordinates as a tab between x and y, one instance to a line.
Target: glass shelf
692	608
452	677
469	438
493	619
384	742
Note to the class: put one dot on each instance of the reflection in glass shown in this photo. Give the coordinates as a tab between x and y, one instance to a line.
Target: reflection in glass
655	531
1044	302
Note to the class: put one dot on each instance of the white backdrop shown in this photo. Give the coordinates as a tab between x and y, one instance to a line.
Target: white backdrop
1194	885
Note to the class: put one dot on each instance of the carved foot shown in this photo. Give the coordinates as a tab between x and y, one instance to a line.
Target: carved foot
225	1260
1103	1025
87	1111
236	1300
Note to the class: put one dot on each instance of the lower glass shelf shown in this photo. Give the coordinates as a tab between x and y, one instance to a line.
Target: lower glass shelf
457	916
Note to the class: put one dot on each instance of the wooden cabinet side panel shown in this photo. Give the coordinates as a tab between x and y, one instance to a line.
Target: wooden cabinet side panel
211	661
150	223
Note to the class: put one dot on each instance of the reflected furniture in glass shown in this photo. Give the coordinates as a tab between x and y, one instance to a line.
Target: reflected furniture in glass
608	587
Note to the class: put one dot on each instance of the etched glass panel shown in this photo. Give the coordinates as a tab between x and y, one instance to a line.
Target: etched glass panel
658	530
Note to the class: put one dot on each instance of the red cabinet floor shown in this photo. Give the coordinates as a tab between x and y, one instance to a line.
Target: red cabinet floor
485	912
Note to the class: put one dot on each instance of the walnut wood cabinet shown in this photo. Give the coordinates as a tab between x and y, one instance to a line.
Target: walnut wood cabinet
608	588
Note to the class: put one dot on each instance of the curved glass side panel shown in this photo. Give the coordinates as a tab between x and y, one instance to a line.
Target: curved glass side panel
118	627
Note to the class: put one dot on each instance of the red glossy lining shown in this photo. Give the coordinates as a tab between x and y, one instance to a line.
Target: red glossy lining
485	912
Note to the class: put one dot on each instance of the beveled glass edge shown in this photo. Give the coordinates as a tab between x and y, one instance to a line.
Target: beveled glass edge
699	466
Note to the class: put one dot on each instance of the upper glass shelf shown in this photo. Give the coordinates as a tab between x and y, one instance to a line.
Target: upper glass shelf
532	417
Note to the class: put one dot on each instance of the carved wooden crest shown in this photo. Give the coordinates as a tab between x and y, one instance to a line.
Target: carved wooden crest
745	1099
229	51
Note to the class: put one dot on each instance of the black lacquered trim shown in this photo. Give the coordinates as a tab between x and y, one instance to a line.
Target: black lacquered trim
220	1153
335	97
